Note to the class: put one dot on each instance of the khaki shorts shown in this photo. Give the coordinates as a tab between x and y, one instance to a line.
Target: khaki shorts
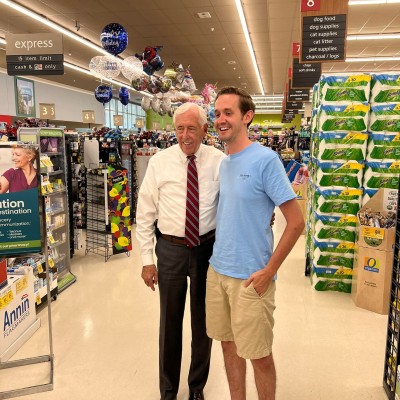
239	314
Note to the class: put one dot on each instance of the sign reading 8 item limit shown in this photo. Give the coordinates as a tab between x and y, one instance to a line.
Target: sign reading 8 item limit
323	38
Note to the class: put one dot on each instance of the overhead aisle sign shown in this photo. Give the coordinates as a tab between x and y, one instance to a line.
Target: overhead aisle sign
323	31
35	54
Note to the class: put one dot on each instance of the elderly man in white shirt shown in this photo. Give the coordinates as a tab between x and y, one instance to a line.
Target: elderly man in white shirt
163	196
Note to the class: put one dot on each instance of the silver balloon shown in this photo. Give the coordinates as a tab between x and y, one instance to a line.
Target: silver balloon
146	103
94	67
110	67
167	104
132	68
155	104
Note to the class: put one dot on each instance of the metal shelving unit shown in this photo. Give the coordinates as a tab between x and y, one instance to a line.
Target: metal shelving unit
391	375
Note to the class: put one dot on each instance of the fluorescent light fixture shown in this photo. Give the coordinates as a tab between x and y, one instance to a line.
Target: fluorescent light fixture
249	44
382	36
373	59
364	2
53	25
3	41
273	97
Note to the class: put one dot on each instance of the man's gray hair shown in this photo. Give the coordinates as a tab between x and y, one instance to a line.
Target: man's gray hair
191	106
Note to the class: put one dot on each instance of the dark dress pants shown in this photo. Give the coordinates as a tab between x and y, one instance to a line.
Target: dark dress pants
175	264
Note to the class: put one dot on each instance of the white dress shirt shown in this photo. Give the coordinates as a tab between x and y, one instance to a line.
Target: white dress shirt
162	195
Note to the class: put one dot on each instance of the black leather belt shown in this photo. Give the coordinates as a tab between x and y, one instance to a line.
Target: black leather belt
181	241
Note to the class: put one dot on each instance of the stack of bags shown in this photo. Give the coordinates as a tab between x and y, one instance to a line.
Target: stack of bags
383	153
338	153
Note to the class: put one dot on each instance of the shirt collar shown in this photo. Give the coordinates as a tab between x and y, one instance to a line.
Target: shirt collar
183	156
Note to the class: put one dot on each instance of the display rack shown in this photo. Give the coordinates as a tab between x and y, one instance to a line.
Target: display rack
98	233
128	160
53	167
391	375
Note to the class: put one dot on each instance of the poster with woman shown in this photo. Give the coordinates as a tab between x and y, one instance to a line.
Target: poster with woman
19	199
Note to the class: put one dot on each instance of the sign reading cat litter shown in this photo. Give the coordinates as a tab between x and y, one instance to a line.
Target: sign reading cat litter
19	199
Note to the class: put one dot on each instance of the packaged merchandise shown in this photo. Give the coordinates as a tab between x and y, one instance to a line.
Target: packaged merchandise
343	117
339	175
385	88
385	117
382	175
349	88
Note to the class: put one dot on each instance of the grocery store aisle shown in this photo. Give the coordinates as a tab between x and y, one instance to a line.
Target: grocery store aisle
106	339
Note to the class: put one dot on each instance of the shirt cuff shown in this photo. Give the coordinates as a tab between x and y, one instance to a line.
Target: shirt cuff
147	259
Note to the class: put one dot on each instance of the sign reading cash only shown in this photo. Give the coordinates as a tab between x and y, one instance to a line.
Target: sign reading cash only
35	54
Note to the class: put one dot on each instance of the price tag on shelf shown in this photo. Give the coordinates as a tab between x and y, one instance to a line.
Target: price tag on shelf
38	299
22	283
51	262
50	238
40	268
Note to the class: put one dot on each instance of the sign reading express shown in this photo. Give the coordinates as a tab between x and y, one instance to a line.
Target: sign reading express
323	38
35	54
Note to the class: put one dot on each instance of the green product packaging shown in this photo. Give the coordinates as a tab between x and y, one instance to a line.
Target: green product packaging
340	208
337	233
335	260
345	94
343	154
335	286
377	182
344	124
387	96
390	125
340	180
381	152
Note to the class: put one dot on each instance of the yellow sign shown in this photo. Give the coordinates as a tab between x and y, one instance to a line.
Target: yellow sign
22	284
88	116
375	233
139	123
118	120
47	111
349	246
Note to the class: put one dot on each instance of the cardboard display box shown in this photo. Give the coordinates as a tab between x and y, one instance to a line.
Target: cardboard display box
372	273
384	202
373	260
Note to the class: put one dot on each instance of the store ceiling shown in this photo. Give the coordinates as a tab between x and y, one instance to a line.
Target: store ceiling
207	45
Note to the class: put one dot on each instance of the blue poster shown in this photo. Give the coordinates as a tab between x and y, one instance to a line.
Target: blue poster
19	200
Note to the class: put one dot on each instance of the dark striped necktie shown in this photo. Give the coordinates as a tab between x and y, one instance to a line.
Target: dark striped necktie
192	205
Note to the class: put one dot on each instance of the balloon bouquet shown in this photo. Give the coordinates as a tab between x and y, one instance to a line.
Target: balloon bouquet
114	40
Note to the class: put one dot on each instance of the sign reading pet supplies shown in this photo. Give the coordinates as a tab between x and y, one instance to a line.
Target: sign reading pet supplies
35	54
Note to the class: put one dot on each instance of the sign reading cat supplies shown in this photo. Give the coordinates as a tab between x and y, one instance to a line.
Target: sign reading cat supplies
35	54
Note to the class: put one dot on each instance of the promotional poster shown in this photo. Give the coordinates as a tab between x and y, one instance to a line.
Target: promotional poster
19	199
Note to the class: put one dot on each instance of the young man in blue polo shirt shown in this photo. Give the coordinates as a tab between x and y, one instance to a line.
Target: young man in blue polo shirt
241	278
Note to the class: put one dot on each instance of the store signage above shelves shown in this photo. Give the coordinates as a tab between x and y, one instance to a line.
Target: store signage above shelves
290	112
88	116
299	95
305	75
310	5
323	38
47	111
118	120
294	105
35	54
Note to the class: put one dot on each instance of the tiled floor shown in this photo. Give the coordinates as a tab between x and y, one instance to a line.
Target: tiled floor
105	330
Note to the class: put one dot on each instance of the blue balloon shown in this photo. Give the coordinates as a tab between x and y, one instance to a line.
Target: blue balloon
124	95
103	93
114	38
